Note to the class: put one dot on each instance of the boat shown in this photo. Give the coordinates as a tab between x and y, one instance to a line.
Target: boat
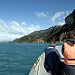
38	67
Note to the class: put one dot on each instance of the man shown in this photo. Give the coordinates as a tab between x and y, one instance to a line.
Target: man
52	59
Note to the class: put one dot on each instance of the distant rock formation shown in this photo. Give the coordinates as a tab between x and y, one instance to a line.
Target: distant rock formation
69	22
70	19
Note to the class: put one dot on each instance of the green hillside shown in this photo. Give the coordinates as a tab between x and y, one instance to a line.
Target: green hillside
56	33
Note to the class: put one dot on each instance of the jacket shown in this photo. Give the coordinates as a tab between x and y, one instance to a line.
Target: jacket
69	52
52	59
48	50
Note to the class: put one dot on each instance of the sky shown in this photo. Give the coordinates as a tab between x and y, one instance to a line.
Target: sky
22	17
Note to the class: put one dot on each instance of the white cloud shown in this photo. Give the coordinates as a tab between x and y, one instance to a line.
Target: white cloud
37	26
61	23
33	28
23	23
14	23
12	30
41	14
59	17
68	12
8	37
56	15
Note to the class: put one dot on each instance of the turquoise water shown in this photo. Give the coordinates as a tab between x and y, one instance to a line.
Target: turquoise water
18	58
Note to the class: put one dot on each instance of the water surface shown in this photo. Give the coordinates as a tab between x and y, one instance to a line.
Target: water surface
18	58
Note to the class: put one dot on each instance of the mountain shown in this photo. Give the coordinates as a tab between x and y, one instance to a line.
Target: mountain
56	33
67	27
